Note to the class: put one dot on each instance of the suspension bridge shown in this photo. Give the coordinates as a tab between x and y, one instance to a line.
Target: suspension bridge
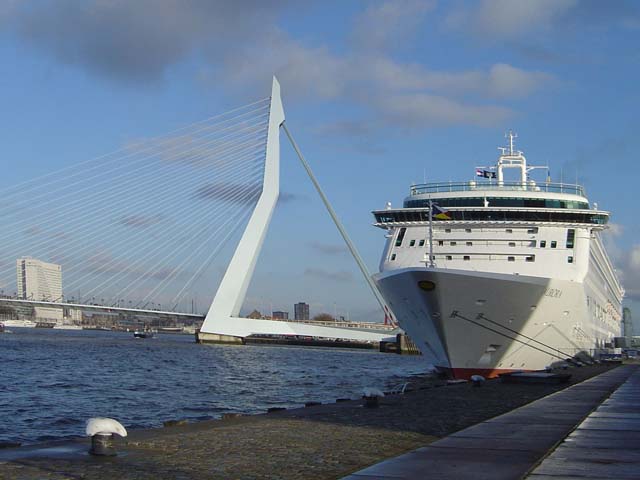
150	219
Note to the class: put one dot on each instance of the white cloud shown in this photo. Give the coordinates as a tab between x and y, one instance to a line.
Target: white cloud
505	81
405	94
614	230
634	257
505	19
308	72
424	110
610	238
242	48
628	266
499	81
381	27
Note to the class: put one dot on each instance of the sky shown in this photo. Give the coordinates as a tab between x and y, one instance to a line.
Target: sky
379	94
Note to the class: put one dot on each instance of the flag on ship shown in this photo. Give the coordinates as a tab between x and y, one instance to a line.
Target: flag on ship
485	173
439	213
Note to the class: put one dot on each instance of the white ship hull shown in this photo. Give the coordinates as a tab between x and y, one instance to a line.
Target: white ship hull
487	323
19	323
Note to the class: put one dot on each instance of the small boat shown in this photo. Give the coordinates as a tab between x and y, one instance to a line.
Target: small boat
143	334
170	329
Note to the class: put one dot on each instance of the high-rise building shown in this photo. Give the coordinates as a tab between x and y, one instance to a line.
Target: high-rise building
278	315
301	311
627	323
38	280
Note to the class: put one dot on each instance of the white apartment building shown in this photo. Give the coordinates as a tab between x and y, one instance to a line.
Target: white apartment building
38	280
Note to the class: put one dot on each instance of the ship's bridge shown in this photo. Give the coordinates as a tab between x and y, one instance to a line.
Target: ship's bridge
389	218
491	202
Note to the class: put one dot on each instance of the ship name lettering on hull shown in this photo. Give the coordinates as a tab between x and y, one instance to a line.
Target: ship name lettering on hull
553	292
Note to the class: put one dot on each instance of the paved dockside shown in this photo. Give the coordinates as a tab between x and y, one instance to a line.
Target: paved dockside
605	445
319	442
511	445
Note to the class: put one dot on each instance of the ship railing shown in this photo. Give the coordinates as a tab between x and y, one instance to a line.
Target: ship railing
473	186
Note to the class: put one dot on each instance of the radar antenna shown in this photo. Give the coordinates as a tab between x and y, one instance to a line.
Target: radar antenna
511	136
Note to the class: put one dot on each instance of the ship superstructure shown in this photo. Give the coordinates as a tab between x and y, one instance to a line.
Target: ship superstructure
489	276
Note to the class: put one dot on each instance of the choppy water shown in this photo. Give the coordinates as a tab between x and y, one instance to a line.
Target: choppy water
51	381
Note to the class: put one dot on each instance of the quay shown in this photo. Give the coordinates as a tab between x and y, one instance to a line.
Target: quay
556	437
399	343
499	430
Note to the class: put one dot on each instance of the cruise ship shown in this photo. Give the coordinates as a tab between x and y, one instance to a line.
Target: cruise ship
492	276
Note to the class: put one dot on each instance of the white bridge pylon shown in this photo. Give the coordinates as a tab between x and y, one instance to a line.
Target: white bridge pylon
223	323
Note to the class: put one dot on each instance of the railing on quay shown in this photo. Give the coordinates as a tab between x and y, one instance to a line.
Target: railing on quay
342	324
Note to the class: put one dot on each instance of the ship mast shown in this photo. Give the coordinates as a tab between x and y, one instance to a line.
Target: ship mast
510	158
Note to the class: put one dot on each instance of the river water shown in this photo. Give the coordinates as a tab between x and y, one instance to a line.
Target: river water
51	381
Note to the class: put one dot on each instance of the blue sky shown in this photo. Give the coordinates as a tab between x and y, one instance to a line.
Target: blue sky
377	93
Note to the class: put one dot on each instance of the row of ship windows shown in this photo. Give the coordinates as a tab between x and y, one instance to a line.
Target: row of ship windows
528	258
508	230
532	243
405	216
499	202
570	241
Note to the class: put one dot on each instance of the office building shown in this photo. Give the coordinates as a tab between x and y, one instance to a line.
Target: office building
38	280
301	311
280	315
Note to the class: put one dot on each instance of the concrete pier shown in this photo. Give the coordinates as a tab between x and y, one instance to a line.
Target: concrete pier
402	344
215	338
